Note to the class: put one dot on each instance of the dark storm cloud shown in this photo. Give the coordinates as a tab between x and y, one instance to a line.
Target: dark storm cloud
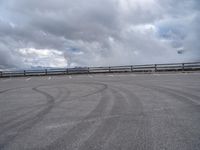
98	32
71	19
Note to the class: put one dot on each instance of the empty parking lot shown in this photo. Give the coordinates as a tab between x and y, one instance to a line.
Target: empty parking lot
102	111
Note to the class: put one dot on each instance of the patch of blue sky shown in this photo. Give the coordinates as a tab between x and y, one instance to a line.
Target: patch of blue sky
74	49
171	32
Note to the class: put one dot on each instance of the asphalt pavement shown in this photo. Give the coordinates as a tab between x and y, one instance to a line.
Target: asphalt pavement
101	112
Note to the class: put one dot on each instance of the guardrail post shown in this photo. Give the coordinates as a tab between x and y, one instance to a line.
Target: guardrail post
1	74
24	72
88	70
45	71
67	71
155	67
131	68
183	66
109	69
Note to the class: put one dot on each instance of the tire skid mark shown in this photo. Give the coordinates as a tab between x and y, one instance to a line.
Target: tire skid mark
79	133
65	96
29	112
193	89
51	102
98	90
14	119
184	90
108	125
135	105
50	99
16	88
180	96
78	98
102	108
171	121
192	97
33	120
17	124
5	91
20	116
24	125
127	131
11	89
19	108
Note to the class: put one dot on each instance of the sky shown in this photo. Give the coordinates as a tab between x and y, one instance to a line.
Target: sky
70	33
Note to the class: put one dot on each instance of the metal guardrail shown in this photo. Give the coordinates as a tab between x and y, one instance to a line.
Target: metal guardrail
195	66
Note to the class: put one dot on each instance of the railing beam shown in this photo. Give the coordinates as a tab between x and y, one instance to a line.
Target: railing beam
140	68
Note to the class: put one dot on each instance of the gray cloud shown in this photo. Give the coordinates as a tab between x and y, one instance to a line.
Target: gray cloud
98	32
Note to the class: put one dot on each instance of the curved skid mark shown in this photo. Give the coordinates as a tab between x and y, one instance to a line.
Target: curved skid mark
19	108
50	99
172	122
94	130
111	127
11	89
5	91
106	126
99	90
18	117
178	95
80	131
24	125
193	98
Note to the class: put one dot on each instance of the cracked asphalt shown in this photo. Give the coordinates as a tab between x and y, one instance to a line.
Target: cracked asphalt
101	112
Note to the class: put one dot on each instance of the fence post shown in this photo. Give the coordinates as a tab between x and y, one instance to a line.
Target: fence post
131	68
24	72
155	67
183	66
67	71
45	71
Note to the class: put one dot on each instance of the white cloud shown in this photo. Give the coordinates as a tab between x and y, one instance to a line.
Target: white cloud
42	57
97	32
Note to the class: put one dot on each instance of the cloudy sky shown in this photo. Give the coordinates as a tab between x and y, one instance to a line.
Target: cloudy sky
68	33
